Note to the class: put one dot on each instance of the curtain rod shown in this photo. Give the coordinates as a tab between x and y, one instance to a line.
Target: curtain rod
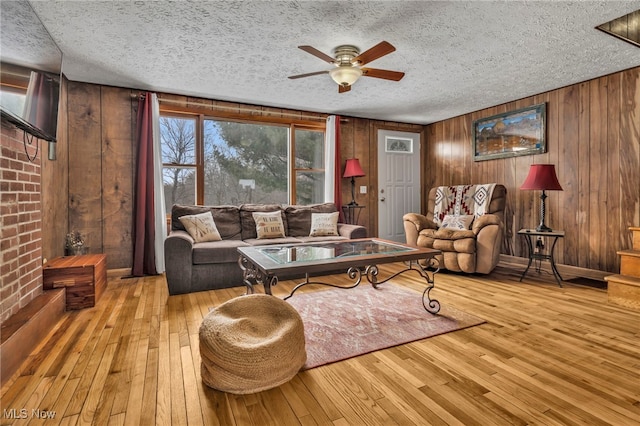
234	108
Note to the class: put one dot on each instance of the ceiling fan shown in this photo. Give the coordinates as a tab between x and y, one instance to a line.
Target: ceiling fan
349	63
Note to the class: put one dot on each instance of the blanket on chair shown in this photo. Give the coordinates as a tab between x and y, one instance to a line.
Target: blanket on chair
462	200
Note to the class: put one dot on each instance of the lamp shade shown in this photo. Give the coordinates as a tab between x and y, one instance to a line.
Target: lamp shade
353	169
542	177
345	75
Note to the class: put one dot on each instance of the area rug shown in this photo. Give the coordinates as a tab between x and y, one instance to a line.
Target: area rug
341	324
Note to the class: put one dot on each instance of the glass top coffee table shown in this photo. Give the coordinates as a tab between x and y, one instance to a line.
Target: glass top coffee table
267	264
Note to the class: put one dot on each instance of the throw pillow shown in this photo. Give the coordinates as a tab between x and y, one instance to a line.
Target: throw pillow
201	227
269	225
457	221
324	224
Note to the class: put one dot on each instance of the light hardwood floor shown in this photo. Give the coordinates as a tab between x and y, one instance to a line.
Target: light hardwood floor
546	356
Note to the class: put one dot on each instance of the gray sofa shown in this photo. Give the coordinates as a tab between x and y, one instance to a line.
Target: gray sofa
192	266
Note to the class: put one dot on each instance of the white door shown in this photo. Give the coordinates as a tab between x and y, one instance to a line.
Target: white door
398	181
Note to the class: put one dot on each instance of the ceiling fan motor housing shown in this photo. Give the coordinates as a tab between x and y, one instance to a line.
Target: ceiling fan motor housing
345	54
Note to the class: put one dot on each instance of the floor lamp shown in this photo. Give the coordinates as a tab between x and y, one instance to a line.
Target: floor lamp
353	170
542	177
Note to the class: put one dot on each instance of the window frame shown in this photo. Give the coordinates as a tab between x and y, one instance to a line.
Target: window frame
200	115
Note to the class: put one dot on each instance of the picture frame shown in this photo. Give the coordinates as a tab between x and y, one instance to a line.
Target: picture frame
394	144
510	134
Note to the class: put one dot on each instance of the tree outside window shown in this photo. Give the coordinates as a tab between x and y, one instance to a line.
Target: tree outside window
177	136
309	166
240	162
250	160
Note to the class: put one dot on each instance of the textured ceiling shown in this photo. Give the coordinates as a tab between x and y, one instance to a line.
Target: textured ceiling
458	56
23	39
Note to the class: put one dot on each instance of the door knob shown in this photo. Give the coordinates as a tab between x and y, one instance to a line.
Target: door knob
382	199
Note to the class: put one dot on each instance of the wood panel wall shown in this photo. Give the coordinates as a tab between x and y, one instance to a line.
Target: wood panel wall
359	139
55	187
89	187
593	138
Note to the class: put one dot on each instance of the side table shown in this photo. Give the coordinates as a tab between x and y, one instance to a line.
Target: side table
352	213
531	235
83	277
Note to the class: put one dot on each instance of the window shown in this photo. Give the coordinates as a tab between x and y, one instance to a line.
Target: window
213	161
309	167
178	139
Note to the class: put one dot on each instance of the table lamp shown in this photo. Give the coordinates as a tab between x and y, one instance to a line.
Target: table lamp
353	170
542	177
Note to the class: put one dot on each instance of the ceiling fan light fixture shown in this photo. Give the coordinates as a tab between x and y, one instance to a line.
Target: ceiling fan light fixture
345	75
348	64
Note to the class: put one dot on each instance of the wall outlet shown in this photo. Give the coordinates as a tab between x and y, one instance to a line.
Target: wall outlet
363	189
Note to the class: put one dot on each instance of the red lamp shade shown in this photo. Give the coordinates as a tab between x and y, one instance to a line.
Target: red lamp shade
353	169
542	177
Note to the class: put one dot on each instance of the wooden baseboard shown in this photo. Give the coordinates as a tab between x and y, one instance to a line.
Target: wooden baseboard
118	273
24	330
520	263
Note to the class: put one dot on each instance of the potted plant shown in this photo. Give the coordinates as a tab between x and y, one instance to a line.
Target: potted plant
74	244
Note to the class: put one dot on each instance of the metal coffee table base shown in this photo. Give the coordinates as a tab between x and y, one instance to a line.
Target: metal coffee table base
252	275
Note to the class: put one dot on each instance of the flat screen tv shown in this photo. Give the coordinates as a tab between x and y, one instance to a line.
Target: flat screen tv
30	71
29	99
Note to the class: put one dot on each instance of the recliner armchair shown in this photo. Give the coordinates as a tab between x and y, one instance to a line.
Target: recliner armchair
466	247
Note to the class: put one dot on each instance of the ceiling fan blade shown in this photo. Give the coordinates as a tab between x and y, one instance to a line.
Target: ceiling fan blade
293	77
386	74
315	52
342	89
377	51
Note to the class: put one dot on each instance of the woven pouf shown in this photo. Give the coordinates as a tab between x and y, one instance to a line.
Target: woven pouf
251	343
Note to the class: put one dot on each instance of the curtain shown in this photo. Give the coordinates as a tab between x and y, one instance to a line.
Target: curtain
148	216
160	205
333	178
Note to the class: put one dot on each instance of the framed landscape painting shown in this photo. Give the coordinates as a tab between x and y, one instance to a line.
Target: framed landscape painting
511	134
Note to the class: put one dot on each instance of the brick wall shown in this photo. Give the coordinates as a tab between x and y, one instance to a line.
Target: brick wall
20	221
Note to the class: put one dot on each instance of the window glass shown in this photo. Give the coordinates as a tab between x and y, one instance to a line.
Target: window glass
179	186
178	138
309	187
245	163
309	149
309	166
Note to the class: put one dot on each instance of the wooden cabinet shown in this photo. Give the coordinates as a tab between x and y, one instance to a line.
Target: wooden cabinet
83	277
